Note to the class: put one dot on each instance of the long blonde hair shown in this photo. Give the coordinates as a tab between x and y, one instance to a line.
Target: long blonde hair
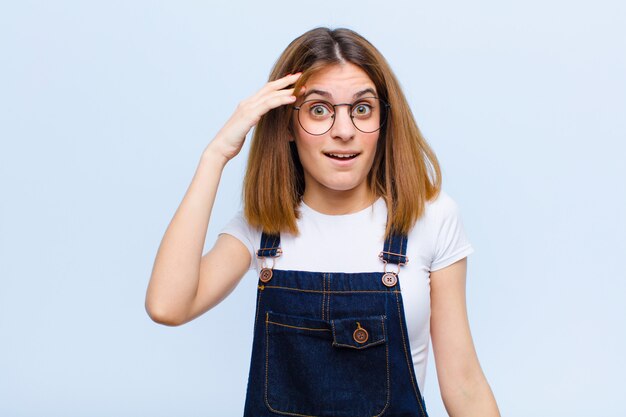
405	171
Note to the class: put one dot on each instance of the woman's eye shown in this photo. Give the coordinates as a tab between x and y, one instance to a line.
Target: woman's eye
319	110
362	109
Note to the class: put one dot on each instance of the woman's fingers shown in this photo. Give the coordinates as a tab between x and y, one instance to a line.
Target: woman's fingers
249	111
277	84
256	107
275	99
283	82
269	97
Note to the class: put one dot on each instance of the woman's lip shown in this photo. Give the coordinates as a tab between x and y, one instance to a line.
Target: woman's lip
341	154
342	162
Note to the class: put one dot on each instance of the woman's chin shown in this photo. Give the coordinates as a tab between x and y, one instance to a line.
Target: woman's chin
343	186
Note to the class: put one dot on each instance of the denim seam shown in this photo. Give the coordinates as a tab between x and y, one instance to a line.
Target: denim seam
258	306
267	358
378	342
267	350
328	298
323	294
382	320
406	354
333	291
267	355
329	316
297	327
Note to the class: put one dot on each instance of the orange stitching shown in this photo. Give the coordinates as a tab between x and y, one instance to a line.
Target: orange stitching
273	246
393	253
378	342
382	319
401	255
267	350
267	354
335	291
323	293
405	258
296	327
258	306
328	299
279	252
406	354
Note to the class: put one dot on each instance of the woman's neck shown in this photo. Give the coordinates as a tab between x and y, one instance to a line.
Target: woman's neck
334	202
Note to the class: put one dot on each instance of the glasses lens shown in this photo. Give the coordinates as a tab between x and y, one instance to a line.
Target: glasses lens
317	116
368	114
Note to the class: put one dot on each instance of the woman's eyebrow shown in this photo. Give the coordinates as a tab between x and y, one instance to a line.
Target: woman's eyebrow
319	92
328	95
363	92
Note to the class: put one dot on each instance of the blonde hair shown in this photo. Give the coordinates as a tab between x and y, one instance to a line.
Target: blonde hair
405	171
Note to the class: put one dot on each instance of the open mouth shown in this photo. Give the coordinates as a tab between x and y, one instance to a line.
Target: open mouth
341	156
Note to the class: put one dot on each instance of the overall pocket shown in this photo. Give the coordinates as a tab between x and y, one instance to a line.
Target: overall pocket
336	368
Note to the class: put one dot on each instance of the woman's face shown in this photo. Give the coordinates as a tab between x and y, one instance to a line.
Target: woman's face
339	160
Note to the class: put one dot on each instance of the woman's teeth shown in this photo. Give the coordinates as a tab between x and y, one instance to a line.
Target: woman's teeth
341	156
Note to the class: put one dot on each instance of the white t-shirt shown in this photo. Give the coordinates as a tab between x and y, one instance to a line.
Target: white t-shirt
352	242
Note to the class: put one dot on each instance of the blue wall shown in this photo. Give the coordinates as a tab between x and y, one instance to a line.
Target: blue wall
105	108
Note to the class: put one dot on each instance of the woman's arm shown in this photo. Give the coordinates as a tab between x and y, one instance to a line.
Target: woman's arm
464	388
180	270
184	284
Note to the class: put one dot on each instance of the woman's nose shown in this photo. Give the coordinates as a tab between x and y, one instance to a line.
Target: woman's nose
343	127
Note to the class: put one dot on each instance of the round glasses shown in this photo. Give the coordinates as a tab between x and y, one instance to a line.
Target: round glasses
368	114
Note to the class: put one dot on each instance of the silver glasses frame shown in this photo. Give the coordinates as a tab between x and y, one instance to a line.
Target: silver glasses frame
384	105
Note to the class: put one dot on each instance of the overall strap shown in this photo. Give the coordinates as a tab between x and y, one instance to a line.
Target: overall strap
394	251
270	246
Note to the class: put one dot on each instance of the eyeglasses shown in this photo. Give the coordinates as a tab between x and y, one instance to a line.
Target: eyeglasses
368	114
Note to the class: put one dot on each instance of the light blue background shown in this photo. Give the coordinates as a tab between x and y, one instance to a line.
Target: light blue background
105	108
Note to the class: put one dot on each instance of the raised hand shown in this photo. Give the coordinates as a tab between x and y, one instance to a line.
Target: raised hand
230	138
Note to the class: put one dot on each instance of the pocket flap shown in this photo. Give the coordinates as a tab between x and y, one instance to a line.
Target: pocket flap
358	333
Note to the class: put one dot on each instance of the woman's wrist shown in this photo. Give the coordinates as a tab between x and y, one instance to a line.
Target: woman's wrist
214	155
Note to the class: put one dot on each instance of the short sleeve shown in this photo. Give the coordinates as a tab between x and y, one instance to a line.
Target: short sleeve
239	228
452	242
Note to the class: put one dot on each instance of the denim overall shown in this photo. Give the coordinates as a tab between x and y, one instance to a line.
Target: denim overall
331	344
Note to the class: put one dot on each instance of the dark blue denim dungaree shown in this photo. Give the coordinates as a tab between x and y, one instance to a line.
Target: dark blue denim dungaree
331	344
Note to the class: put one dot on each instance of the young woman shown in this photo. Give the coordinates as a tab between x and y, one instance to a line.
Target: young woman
361	256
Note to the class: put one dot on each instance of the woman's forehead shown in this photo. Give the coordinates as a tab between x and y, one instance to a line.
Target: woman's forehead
340	81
